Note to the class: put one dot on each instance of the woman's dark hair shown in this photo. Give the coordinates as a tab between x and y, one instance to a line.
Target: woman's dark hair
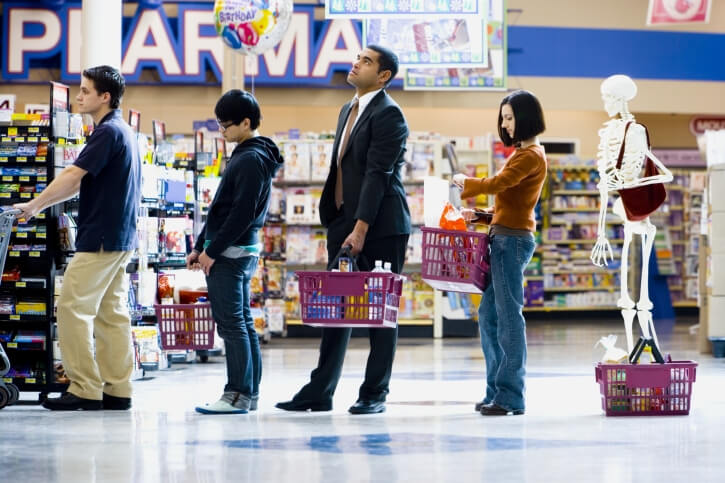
528	115
236	106
387	60
107	79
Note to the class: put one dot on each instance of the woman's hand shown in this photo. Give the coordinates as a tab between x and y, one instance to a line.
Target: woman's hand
192	260
601	251
459	180
468	214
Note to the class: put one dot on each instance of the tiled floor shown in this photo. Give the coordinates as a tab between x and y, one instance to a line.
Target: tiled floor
429	432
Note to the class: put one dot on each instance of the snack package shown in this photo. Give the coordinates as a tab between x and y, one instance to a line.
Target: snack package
452	219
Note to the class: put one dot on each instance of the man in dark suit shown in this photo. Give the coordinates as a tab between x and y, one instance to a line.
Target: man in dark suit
363	206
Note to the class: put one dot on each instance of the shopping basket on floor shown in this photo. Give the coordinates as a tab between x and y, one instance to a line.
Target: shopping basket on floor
185	326
9	393
350	299
646	389
455	261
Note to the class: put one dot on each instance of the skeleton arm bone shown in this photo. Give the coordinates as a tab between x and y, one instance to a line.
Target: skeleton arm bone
602	249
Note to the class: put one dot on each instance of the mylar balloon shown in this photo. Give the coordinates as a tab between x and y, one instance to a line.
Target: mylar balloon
252	26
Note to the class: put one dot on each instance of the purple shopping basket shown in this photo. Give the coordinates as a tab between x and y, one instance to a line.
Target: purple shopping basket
350	299
185	326
455	261
646	389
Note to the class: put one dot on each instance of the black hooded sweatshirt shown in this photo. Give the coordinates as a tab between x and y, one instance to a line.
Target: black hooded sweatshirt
240	205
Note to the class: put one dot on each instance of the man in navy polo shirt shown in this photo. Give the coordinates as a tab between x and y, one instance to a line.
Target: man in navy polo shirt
93	297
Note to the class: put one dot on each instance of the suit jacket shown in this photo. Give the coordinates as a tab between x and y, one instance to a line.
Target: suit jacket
372	185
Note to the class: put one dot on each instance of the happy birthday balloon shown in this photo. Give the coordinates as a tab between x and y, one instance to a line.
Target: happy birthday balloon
252	26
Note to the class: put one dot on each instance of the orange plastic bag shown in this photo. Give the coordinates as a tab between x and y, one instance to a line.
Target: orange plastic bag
452	219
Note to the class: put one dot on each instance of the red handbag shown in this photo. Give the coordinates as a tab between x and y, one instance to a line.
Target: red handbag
641	201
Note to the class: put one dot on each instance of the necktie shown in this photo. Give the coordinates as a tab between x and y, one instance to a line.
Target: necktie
345	138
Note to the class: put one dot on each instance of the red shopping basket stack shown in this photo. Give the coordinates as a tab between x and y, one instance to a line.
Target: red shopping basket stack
455	261
185	326
350	299
646	389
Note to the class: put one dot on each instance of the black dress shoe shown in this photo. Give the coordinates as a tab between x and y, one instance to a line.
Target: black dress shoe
367	407
71	402
479	405
116	403
496	410
304	405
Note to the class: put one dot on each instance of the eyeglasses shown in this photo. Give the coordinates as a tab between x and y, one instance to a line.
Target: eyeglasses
224	126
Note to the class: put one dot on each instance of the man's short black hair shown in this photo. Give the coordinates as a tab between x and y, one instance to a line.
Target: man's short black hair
388	61
236	106
528	116
107	79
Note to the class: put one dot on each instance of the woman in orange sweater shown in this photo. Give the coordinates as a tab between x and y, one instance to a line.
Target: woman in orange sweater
517	188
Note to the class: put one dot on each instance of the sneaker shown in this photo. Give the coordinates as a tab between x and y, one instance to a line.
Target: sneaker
229	403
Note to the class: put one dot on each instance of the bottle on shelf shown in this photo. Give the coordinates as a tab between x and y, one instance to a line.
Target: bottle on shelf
162	240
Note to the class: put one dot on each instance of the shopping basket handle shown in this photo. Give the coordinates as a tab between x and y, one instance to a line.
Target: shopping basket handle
345	251
10	212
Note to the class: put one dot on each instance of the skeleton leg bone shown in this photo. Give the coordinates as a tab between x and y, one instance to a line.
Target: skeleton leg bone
628	316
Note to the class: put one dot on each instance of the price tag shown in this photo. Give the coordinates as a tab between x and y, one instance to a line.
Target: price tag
5	140
21	234
14	253
8	379
44	139
41	216
40	235
22	159
61	141
34	254
12	345
40	159
25	195
12	131
32	140
35	195
7	178
42	178
5	195
20	140
3	159
30	380
21	284
14	317
33	129
24	178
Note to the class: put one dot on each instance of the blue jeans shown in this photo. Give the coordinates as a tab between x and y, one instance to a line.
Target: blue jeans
501	321
229	294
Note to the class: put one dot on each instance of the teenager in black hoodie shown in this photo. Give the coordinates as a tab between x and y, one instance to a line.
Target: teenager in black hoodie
228	246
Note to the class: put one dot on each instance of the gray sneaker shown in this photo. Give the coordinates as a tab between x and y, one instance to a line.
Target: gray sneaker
229	403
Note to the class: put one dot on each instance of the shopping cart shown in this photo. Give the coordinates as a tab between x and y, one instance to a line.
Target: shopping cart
186	327
9	393
455	261
646	389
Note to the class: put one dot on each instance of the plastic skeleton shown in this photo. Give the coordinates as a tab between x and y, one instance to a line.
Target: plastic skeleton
616	91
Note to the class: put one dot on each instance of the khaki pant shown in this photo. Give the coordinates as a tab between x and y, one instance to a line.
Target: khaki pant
93	300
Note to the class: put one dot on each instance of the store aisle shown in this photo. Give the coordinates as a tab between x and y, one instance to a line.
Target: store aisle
430	431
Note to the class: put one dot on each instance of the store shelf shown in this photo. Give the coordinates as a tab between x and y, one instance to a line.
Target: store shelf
573	167
23	159
568	309
580	241
575	192
685	303
418	322
573	210
580	289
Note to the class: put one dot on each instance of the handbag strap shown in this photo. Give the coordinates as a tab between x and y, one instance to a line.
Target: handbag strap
621	148
624	138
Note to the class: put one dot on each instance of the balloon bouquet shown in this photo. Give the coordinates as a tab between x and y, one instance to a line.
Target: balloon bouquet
252	26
